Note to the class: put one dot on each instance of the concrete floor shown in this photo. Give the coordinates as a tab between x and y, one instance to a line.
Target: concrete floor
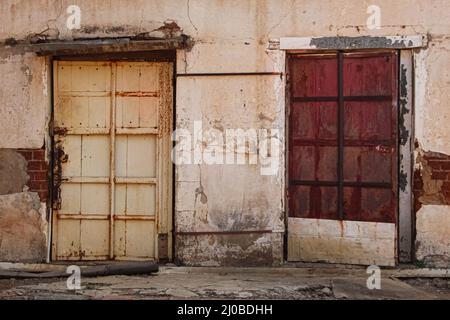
306	282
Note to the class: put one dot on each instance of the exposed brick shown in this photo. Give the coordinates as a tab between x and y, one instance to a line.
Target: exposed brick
435	164
439	175
34	165
37	170
39	176
435	156
446	185
445	165
435	167
38	185
43	195
27	154
39	154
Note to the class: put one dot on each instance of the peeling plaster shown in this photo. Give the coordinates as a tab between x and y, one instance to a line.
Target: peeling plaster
13	172
359	42
404	132
432	188
432	87
22	214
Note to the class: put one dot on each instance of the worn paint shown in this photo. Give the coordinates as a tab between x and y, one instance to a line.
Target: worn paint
403	100
402	180
404	131
230	250
110	159
354	42
365	42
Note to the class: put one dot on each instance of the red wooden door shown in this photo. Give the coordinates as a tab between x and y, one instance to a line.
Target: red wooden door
343	136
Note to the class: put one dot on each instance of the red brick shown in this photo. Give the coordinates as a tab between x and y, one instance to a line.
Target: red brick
38	185
27	154
418	185
436	156
435	164
439	175
446	185
35	166
447	197
43	195
44	166
445	165
38	176
38	154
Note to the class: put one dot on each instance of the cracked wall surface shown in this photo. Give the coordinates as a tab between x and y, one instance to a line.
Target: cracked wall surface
23	227
432	205
228	36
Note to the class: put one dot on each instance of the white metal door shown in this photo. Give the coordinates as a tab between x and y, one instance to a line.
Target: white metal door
112	186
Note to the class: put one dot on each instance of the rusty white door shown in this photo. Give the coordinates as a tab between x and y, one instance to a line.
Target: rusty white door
112	190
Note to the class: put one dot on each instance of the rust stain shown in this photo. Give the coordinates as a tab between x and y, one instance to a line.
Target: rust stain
60	157
165	113
60	131
137	94
170	29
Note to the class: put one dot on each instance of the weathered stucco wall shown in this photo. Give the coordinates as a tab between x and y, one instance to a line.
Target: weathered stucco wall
432	203
224	197
23	229
433	236
432	169
228	36
24	100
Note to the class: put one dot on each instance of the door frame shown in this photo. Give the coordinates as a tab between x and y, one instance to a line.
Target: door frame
141	56
405	45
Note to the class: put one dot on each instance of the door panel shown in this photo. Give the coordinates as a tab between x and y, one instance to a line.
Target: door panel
109	182
366	158
342	160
